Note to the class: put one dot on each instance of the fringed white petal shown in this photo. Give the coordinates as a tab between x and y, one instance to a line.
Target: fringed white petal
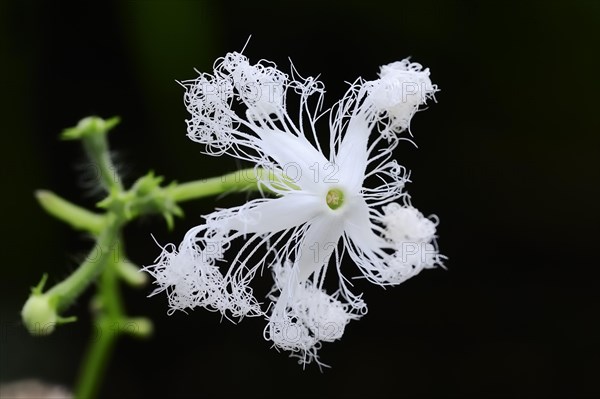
319	241
304	316
190	279
402	87
267	215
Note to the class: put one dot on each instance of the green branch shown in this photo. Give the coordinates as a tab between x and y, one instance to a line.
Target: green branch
110	323
92	132
41	312
76	216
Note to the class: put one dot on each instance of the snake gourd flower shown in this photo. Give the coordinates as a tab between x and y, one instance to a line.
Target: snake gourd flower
335	193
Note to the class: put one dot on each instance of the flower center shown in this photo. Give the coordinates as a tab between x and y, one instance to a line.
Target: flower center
334	198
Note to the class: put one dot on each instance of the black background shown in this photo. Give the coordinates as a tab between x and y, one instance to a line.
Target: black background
507	158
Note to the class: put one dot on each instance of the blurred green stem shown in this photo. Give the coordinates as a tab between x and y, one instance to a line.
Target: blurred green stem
108	323
78	217
70	288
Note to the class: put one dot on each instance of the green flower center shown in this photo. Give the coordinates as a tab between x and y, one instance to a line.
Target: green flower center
334	198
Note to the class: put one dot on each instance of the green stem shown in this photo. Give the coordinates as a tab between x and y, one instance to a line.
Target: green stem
70	288
96	147
96	360
82	219
241	180
108	325
130	273
92	131
78	217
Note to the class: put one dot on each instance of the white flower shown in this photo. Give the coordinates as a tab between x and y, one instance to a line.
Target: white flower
330	199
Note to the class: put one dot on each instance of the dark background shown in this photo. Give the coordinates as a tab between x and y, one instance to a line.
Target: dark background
507	158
